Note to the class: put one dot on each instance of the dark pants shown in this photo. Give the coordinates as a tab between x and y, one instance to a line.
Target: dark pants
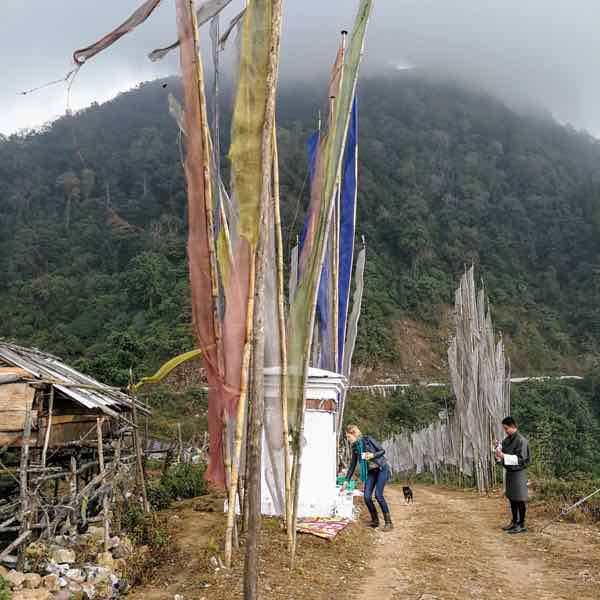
376	479
519	509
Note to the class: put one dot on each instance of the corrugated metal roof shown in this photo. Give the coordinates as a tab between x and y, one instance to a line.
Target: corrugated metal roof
66	379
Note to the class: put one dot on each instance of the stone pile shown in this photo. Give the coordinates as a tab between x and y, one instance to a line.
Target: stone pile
72	567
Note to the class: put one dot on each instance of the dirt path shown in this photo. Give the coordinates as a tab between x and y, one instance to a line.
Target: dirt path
447	545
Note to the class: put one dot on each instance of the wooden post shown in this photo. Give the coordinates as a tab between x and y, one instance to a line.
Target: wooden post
48	426
99	421
138	455
258	400
73	478
282	342
106	521
180	438
24	485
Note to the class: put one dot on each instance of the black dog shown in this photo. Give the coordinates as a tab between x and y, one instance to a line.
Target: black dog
408	495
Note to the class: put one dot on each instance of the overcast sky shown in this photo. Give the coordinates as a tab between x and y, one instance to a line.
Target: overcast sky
535	52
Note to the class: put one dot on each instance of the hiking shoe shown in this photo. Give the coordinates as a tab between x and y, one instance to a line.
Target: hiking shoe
388	522
374	524
508	527
517	529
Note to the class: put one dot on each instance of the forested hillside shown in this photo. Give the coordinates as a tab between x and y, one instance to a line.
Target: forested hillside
92	227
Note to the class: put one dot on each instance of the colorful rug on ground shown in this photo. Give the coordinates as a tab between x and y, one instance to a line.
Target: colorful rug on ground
323	527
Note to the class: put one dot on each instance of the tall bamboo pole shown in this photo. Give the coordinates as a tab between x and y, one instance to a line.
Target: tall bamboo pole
208	194
254	485
283	340
241	417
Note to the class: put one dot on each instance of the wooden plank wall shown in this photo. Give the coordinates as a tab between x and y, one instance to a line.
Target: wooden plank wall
15	400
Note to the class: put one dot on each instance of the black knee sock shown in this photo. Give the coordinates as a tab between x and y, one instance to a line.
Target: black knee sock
514	507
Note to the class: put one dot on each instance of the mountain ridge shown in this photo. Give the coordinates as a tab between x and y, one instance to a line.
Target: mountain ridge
92	227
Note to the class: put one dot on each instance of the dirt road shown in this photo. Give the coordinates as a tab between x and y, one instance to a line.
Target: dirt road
448	545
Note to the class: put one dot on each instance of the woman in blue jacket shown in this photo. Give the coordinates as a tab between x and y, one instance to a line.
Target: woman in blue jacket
373	470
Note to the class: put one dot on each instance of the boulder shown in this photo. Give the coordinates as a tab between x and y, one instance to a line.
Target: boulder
32	581
15	579
40	594
51	583
62	555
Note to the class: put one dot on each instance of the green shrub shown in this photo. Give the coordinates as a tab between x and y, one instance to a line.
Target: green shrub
153	540
184	481
4	589
568	492
158	496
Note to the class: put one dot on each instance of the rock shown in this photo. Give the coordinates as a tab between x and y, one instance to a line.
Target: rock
15	579
32	581
113	542
75	575
105	559
62	555
35	550
96	533
51	583
89	590
62	595
120	565
103	590
40	594
3	571
98	575
74	587
124	548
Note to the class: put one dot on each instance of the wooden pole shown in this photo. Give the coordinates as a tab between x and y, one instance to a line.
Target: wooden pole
24	485
138	454
48	426
106	521
99	421
180	438
283	341
256	431
241	417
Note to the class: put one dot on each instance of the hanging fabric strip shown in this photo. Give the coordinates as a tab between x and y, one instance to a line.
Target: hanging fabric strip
355	315
202	276
216	129
347	228
293	274
207	10
223	39
137	18
327	173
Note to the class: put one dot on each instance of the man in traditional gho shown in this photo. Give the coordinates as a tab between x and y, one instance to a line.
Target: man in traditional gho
514	455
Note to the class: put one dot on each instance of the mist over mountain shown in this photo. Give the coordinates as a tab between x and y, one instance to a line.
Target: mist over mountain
93	227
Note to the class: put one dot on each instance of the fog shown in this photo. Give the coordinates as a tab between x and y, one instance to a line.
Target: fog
530	53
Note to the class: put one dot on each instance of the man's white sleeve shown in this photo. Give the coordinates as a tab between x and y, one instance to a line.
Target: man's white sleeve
511	460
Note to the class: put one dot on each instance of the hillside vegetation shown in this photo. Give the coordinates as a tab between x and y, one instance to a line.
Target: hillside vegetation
93	227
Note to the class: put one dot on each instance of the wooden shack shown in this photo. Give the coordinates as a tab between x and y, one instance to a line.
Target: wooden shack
67	441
